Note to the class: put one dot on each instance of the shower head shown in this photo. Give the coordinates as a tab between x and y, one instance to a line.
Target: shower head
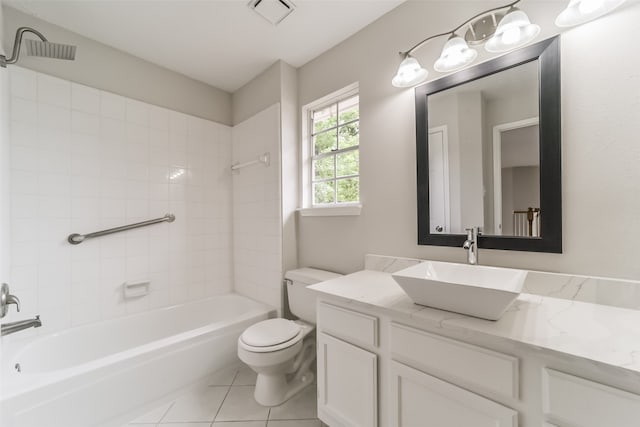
42	48
50	50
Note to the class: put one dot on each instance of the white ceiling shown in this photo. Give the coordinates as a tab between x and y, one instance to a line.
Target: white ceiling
220	42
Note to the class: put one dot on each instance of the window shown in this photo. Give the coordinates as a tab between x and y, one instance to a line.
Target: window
333	133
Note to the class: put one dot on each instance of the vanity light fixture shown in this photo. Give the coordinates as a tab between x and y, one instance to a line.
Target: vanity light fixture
581	11
500	29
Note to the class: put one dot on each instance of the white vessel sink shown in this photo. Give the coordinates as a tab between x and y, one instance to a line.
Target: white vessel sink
474	290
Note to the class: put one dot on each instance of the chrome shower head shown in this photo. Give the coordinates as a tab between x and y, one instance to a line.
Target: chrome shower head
42	48
47	49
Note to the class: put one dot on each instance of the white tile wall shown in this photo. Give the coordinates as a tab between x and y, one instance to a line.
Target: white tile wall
257	227
5	162
83	160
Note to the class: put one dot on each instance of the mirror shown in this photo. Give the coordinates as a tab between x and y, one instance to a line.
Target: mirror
488	153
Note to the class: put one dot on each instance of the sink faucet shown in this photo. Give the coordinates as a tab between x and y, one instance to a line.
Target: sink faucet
471	245
13	327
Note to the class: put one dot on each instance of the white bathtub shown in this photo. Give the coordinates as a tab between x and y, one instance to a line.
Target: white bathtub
92	375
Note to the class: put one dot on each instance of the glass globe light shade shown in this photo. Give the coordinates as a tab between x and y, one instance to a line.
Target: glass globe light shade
410	73
456	54
514	30
581	11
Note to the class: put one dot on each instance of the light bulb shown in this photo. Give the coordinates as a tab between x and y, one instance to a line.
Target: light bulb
581	11
514	30
410	73
511	36
456	54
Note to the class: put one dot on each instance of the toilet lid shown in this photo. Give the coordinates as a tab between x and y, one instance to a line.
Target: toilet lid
270	332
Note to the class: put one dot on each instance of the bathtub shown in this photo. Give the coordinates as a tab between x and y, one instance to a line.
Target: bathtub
95	374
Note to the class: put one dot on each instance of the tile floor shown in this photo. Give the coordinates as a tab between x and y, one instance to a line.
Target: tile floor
227	401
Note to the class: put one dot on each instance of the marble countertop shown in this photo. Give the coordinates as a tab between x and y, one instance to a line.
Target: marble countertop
604	334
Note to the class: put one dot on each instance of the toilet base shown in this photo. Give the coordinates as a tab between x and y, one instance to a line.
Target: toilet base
273	390
284	372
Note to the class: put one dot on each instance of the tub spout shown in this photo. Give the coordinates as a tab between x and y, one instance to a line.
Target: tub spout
13	327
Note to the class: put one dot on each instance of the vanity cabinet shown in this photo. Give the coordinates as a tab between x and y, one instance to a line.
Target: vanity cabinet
431	377
422	374
475	368
573	401
347	370
419	399
347	383
376	368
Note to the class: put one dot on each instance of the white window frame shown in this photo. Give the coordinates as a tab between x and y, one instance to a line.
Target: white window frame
334	209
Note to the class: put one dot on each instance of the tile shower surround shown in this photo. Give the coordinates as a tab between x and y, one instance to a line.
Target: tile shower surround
257	227
83	160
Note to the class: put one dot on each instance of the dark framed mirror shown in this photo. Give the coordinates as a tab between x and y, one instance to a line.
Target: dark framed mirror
488	148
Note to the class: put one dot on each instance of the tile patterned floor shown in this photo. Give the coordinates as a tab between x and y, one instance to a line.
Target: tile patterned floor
227	401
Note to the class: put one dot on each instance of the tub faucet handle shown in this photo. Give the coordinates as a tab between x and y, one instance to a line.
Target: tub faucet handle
12	299
5	299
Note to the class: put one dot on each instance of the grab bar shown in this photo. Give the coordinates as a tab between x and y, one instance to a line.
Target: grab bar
76	239
265	158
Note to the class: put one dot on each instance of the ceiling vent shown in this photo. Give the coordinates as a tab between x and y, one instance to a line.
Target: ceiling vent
273	11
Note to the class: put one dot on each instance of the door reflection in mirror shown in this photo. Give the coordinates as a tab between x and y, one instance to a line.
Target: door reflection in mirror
516	191
484	153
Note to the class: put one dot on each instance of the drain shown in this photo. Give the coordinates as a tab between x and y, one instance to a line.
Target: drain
18	368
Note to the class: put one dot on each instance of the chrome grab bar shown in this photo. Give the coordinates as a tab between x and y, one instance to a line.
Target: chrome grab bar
76	239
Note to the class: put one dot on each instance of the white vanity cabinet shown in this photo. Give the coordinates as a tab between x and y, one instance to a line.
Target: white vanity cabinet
347	370
414	370
431	377
376	368
573	401
421	400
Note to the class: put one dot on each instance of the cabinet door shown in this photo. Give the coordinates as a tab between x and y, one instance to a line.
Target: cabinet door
420	400
573	401
347	384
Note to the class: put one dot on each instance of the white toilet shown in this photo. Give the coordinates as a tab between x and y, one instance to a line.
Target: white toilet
281	351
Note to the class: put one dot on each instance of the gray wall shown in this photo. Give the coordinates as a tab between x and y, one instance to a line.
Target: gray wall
600	149
103	67
261	92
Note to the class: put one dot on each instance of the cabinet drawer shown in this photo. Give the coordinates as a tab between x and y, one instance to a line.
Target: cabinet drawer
421	400
465	364
353	326
574	401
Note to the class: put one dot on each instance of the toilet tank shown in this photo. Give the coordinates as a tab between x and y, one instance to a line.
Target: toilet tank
302	301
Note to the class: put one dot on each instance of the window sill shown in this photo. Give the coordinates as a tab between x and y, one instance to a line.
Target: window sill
332	211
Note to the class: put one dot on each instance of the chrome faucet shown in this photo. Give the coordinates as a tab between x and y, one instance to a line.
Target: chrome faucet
13	327
471	245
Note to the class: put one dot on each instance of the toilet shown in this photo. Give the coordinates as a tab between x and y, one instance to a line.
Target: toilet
282	351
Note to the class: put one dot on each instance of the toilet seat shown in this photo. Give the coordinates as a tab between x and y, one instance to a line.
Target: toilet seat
271	335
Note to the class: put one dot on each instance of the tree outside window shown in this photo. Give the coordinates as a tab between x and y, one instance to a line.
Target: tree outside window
335	147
